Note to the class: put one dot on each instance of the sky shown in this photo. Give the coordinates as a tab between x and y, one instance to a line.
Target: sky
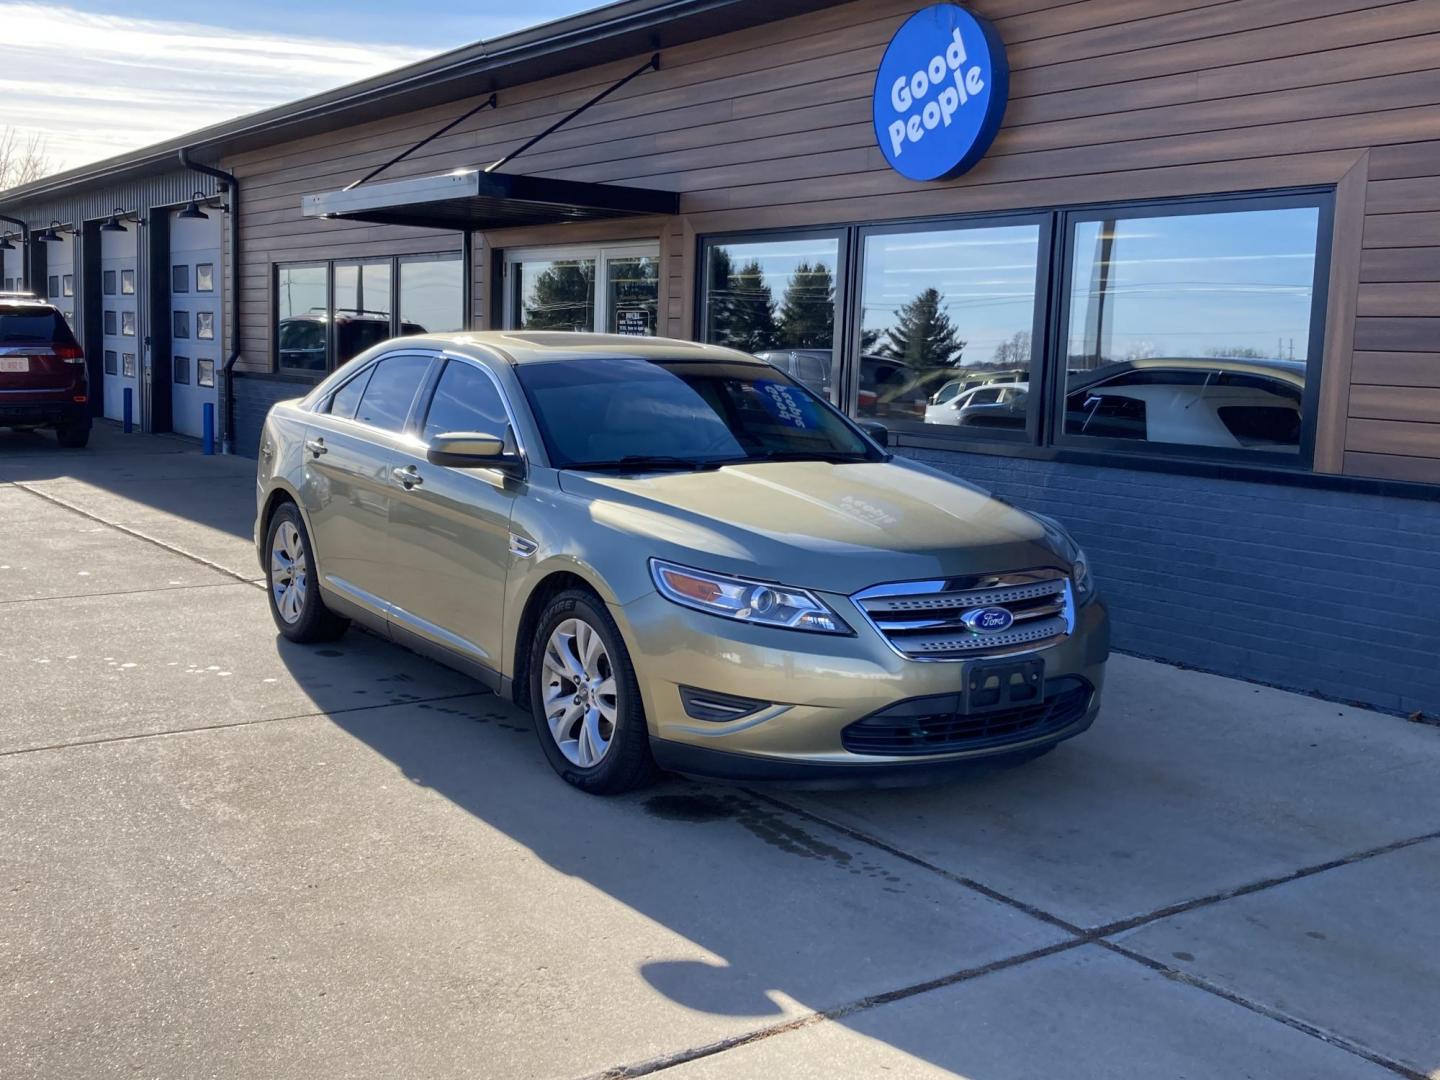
97	79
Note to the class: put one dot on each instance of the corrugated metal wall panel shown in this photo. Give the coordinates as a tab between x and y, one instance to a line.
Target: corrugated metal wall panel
92	203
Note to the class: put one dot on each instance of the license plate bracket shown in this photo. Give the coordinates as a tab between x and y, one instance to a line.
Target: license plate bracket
1003	684
15	365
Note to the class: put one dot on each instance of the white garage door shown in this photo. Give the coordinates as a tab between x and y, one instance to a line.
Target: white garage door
195	334
60	276
120	315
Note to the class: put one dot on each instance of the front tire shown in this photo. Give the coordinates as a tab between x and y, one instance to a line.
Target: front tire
295	602
584	698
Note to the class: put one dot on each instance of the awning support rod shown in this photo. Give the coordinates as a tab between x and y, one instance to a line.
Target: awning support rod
653	64
488	103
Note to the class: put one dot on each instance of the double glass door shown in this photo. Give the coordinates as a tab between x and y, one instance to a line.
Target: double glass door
612	289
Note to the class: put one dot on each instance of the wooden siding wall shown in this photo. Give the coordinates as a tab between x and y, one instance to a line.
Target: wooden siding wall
1110	100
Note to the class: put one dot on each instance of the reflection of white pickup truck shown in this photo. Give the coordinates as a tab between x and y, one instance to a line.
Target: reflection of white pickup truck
1193	402
991	405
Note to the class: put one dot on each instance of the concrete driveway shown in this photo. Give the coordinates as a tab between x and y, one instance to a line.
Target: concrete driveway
223	855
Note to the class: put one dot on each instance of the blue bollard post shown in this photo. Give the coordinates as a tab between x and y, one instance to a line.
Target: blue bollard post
207	428
129	410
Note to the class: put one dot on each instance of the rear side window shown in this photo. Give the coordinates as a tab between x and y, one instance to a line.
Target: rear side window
346	400
392	389
43	326
466	400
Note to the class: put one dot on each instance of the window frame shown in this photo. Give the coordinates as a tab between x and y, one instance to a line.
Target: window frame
1056	385
1034	409
329	265
602	252
432	386
844	237
1043	436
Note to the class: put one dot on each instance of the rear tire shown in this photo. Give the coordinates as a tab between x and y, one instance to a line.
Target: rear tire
72	436
295	602
584	698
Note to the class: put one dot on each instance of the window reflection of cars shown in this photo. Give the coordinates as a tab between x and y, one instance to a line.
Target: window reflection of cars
982	378
809	366
1236	403
989	405
301	338
888	387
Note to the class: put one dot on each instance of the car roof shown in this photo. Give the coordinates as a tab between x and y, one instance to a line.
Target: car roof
530	346
25	300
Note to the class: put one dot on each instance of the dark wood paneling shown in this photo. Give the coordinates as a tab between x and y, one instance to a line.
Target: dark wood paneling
1413	403
1420	298
1402	230
1401	264
1397	368
1397	335
1416	470
1395	437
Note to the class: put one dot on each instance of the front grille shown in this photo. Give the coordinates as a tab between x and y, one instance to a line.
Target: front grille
924	619
932	726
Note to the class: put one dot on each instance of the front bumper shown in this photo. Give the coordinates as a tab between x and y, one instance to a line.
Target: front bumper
814	686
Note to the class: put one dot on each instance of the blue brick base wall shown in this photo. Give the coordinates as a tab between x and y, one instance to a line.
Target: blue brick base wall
1322	591
253	396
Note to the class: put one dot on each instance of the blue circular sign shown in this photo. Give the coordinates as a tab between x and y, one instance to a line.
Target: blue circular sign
940	93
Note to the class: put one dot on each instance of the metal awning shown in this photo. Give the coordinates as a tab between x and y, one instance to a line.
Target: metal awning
470	199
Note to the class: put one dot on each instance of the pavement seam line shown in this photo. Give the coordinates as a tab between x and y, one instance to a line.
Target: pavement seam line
1122	925
121	592
23	486
1340	1042
839	1012
239	724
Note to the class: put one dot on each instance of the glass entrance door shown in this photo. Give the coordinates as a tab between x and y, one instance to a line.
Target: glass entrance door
613	289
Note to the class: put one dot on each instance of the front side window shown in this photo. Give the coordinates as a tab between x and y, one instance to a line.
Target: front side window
391	391
773	295
1193	329
945	313
302	304
465	400
621	412
346	400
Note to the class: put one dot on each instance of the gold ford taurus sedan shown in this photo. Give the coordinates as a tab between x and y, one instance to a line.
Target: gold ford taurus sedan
673	554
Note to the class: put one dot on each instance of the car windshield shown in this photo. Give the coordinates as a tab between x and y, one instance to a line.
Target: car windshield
624	412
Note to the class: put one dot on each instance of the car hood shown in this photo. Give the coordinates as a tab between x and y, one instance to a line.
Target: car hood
831	527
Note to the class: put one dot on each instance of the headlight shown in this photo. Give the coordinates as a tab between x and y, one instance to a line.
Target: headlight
745	601
1066	546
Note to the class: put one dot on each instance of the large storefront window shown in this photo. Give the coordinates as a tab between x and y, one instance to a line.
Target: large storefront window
328	313
302	303
776	298
947	318
1190	329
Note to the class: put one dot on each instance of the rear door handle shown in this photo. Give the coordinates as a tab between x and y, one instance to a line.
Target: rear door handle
406	477
316	446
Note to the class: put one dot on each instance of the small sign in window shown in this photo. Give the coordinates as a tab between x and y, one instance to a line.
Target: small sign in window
633	321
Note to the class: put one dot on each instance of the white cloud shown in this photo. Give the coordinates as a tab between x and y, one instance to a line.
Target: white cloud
97	85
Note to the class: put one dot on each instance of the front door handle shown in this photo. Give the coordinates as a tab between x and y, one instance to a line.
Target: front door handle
406	477
316	446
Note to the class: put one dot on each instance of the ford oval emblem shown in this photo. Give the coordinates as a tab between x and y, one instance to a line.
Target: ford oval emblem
988	620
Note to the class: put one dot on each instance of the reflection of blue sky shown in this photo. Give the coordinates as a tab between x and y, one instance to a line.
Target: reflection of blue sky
986	276
1197	285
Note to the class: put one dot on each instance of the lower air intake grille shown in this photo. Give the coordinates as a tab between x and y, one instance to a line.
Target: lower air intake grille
932	726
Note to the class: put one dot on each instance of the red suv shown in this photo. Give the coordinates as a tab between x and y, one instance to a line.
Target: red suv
42	371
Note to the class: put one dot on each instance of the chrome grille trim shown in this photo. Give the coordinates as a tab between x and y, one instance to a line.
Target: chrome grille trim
921	620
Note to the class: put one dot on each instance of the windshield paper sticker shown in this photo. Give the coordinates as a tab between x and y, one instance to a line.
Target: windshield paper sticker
787	404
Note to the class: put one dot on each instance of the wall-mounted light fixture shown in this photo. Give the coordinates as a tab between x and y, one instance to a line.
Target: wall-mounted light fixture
5	244
192	211
51	234
113	224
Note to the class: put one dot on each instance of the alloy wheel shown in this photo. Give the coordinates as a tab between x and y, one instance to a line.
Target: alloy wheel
580	696
289	572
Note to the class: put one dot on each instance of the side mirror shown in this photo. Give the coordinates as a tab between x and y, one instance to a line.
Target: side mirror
879	432
472	450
